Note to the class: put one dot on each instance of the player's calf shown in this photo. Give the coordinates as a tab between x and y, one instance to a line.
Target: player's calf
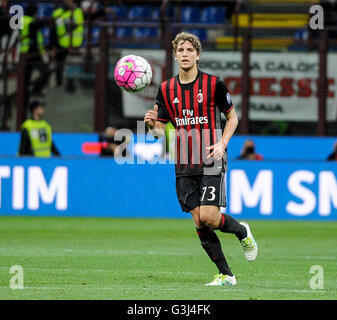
211	244
230	225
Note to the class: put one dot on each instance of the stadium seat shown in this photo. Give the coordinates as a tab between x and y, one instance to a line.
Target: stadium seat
139	13
277	43
201	33
190	14
122	32
155	14
274	20
22	4
45	9
46	35
213	14
120	12
145	32
301	34
170	12
95	32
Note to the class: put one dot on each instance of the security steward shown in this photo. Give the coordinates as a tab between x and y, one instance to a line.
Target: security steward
67	32
36	134
33	50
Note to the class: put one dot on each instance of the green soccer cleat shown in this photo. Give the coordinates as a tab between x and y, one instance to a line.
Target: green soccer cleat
249	245
222	280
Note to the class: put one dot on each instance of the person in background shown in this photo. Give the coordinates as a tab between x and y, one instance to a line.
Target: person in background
109	145
67	33
36	134
32	49
333	155
249	153
4	19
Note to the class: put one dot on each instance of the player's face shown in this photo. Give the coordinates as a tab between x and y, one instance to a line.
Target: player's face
186	55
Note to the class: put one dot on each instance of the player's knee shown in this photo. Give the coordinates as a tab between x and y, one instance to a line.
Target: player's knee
198	223
210	219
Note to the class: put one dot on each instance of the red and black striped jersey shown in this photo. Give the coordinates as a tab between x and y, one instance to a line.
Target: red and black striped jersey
194	110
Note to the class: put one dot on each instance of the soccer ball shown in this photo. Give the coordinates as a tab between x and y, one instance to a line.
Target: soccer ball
133	73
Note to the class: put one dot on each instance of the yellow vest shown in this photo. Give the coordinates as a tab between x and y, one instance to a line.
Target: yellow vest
40	134
25	40
61	16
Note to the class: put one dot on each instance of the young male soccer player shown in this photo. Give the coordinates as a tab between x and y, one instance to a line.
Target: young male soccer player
192	101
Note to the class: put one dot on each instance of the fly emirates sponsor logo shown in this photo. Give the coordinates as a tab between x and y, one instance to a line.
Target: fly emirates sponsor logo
188	119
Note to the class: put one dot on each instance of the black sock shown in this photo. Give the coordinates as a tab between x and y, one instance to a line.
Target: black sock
211	244
230	225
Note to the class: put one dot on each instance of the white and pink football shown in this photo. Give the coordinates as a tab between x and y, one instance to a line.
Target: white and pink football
133	73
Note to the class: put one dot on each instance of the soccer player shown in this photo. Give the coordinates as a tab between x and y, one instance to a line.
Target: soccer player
192	102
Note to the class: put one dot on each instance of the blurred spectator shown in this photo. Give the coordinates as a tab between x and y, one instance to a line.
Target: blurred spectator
4	19
67	32
109	145
5	36
93	9
248	152
8	36
333	155
36	134
32	49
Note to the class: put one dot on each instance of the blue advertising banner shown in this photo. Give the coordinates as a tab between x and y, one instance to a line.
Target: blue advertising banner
283	190
271	148
103	188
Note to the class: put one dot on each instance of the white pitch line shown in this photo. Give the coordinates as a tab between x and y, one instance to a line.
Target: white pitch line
168	289
53	251
303	258
150	273
111	251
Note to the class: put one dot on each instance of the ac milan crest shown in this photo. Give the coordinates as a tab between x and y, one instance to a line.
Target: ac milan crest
200	97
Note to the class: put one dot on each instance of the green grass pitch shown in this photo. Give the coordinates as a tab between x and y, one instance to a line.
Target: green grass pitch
109	258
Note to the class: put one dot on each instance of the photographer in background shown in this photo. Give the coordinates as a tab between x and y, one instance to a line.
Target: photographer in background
248	152
109	146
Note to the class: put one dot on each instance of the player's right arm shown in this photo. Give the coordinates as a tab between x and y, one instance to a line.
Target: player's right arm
157	118
157	128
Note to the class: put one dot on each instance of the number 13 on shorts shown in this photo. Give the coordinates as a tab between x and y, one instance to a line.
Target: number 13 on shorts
213	190
208	194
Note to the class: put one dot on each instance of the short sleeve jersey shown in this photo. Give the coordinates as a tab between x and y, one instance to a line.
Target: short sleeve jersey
195	109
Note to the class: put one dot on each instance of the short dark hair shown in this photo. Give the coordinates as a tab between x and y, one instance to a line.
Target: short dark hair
35	104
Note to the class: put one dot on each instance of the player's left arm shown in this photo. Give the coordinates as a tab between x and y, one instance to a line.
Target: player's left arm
224	102
218	149
230	127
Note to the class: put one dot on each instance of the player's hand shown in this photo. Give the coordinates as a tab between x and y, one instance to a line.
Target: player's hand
217	150
151	116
